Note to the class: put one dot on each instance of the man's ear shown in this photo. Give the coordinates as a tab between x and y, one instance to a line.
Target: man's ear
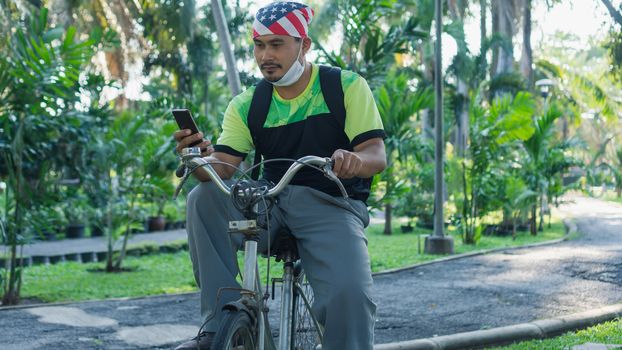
306	45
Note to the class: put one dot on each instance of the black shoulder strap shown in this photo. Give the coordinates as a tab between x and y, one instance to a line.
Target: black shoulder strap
330	82
257	114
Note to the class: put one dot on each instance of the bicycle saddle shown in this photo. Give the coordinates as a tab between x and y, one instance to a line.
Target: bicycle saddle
285	247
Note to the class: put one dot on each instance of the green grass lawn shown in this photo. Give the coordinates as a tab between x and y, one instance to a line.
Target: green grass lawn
150	275
399	249
172	272
611	196
606	333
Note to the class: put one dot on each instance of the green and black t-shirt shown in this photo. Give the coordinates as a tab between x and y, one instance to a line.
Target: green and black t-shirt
305	126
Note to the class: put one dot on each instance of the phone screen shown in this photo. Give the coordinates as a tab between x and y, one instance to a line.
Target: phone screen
185	121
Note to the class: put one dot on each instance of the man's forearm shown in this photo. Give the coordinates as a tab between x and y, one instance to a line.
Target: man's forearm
373	157
374	161
224	171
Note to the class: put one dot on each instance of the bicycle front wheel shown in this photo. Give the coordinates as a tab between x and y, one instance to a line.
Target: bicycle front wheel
306	331
236	332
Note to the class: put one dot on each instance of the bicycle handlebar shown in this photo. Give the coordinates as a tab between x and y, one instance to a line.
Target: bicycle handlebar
192	161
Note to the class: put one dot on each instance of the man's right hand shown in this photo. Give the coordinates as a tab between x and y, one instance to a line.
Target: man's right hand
184	139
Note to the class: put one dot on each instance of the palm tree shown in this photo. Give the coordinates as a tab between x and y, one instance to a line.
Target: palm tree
225	43
457	11
526	61
398	104
493	131
537	147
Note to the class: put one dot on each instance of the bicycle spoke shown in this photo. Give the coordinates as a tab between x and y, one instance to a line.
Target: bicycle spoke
306	335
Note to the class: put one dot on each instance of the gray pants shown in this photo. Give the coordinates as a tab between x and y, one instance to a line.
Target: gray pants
331	244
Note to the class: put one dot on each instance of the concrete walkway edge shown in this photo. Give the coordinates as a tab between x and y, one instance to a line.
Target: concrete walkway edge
571	229
504	335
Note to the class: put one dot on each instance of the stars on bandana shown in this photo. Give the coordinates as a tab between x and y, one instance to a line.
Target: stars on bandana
283	18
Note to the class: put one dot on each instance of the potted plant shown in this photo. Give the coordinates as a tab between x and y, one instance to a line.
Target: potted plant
160	190
47	222
97	222
77	213
170	215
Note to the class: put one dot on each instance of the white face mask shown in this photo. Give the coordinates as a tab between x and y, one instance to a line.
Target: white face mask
293	74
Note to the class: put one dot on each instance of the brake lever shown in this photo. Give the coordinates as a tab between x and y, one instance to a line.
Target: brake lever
183	171
184	178
328	172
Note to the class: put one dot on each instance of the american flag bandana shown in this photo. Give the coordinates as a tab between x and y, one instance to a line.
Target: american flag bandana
283	18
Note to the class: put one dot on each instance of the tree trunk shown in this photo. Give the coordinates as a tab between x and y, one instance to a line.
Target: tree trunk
541	224
387	219
457	10
462	129
11	289
526	63
617	16
61	13
514	219
483	34
505	18
495	29
532	227
227	47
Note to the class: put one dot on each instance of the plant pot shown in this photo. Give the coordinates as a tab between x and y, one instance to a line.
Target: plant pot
48	235
96	231
156	223
74	231
407	228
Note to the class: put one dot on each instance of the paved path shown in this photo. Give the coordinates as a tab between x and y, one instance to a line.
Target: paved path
510	287
462	295
67	249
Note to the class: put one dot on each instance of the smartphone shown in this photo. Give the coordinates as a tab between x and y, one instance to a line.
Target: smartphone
185	121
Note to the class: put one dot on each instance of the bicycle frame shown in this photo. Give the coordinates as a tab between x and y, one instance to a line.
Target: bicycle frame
251	292
285	327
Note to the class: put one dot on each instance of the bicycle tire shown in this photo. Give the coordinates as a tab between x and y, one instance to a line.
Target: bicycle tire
236	332
306	331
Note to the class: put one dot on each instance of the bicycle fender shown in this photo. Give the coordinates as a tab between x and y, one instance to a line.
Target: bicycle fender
237	306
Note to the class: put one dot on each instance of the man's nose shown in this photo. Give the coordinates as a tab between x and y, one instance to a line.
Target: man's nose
267	55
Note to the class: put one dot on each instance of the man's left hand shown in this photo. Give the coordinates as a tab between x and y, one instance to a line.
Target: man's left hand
347	164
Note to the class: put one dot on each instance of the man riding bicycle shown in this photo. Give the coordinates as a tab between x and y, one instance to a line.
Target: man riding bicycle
298	109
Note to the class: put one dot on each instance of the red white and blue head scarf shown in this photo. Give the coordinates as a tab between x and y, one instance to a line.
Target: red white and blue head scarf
283	18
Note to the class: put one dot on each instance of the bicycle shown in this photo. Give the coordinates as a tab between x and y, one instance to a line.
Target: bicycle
244	323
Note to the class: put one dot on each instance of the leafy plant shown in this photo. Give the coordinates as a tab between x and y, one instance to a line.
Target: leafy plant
518	199
39	81
368	48
493	130
537	147
398	103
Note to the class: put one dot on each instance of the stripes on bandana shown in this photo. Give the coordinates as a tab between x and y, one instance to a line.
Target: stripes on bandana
283	18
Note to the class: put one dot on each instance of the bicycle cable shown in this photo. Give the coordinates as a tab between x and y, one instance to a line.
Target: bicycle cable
259	193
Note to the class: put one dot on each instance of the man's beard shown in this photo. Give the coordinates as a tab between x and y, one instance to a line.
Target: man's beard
272	66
